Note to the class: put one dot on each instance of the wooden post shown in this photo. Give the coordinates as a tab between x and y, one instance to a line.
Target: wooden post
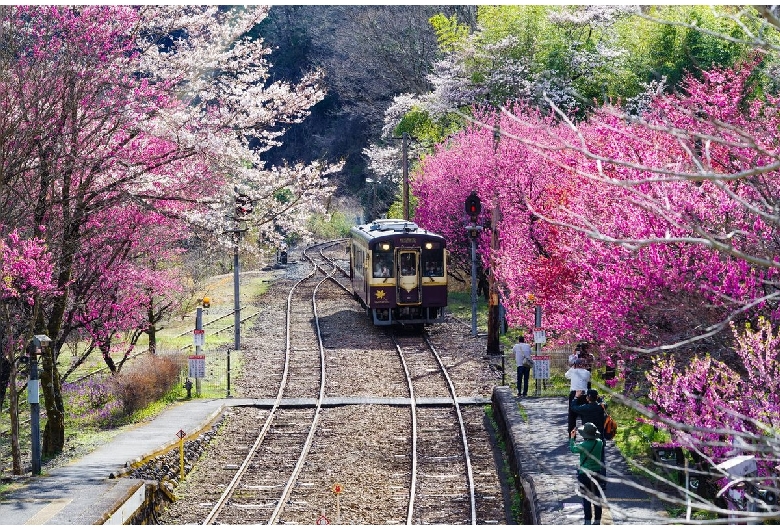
181	458
405	165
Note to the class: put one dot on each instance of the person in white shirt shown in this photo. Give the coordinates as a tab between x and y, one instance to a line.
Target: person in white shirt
579	377
522	353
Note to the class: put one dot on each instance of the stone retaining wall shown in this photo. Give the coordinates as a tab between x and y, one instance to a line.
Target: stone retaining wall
509	422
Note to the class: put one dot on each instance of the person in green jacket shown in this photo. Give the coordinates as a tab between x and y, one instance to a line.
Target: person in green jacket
590	465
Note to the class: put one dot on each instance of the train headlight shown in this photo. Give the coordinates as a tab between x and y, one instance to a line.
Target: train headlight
385	246
429	245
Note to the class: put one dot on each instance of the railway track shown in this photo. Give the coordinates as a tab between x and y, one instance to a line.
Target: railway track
442	486
262	484
343	415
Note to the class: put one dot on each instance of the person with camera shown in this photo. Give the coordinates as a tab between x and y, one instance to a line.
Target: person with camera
588	469
592	411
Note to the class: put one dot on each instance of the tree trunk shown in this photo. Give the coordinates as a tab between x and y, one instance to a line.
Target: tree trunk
54	433
5	378
151	330
13	408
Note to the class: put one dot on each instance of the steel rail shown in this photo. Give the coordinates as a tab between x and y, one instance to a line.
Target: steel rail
413	407
332	263
462	424
317	410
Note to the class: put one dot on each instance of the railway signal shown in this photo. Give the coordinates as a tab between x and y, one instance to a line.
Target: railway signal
244	205
473	206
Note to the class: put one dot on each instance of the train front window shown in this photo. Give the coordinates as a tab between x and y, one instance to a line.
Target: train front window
383	261
433	259
408	264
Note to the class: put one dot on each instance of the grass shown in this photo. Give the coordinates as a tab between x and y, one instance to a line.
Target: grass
515	492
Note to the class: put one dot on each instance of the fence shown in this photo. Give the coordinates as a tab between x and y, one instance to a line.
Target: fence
214	371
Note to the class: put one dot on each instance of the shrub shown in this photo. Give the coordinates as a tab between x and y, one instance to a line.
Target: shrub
146	382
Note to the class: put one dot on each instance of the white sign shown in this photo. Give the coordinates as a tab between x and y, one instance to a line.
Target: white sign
540	336
197	366
199	337
541	366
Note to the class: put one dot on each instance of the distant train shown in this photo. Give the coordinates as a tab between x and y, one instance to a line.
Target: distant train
399	272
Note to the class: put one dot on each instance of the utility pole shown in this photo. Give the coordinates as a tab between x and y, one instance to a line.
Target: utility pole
243	208
493	344
405	169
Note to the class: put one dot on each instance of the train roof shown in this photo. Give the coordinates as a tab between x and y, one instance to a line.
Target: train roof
389	227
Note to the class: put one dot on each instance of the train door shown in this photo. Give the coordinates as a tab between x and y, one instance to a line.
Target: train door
408	273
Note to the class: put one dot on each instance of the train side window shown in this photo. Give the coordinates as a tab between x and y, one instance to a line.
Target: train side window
433	262
383	261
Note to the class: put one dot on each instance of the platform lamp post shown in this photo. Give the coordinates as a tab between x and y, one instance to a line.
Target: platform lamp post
35	347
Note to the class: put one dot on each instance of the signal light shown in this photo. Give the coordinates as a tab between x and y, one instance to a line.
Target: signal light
206	302
244	205
473	206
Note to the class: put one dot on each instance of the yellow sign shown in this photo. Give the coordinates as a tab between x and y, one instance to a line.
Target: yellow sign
338	489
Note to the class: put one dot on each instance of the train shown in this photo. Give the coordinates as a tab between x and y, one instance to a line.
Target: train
398	272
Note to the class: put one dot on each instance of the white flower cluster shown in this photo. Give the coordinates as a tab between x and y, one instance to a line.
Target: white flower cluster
222	77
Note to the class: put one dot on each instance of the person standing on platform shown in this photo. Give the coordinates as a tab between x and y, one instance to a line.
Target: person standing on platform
593	411
588	470
579	378
522	352
587	359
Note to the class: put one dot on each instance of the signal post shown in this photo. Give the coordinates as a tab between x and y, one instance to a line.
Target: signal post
473	208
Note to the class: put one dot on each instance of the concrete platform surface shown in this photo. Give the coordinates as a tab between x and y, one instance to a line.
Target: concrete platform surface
541	448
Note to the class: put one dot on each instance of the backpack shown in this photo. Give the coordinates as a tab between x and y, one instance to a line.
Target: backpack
610	425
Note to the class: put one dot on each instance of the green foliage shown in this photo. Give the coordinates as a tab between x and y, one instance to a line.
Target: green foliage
671	50
449	33
333	226
425	129
284	195
634	437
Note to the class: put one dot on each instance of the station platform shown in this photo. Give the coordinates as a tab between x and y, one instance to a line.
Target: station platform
546	469
85	491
